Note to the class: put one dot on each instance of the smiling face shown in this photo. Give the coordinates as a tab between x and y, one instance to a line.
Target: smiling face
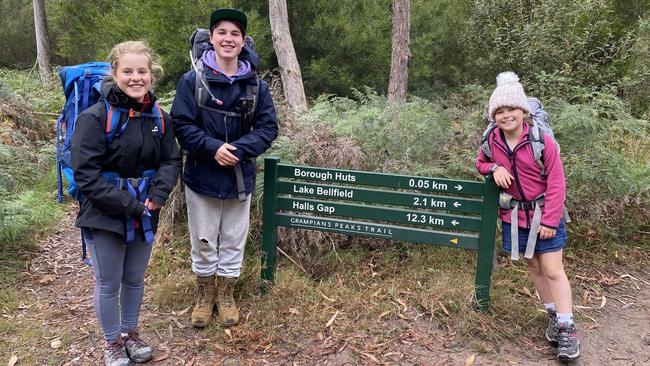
509	119
227	40
132	75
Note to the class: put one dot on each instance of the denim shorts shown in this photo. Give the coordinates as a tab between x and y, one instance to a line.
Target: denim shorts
542	246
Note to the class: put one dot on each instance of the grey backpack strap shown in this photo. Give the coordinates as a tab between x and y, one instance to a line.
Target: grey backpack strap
514	233
485	140
252	91
201	89
536	138
241	188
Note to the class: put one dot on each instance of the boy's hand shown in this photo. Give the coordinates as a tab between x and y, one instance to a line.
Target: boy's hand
502	177
545	232
224	157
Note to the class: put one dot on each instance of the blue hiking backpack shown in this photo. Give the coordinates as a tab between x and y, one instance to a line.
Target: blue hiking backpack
81	86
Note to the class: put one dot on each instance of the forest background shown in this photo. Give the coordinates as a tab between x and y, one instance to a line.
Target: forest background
587	60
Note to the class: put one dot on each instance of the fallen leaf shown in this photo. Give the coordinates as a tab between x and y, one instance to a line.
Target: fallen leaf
403	304
470	360
161	358
56	343
384	314
178	324
368	355
332	319
12	360
402	316
46	280
228	333
183	311
326	298
602	304
444	309
294	311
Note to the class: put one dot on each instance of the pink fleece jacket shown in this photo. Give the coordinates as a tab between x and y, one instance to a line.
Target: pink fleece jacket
528	183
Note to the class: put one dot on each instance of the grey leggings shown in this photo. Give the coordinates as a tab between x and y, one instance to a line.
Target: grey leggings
119	269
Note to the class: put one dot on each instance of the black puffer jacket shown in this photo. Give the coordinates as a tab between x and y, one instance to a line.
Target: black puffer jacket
138	149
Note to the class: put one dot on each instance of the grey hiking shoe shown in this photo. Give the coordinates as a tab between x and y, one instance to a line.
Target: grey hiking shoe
551	329
115	354
137	349
568	347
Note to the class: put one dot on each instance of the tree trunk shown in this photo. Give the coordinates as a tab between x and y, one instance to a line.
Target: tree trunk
290	73
400	53
42	41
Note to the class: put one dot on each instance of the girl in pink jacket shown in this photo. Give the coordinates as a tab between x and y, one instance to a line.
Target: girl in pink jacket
532	203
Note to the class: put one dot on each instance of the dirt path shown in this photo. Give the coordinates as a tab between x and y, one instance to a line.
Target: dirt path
57	303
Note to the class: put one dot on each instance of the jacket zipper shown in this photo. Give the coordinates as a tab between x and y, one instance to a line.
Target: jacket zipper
511	156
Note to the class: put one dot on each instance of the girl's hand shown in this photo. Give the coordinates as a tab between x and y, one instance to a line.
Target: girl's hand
545	233
502	177
151	205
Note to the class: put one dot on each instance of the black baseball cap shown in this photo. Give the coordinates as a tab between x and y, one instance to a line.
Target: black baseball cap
228	14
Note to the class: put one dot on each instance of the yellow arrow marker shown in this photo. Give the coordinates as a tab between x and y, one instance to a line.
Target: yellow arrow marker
454	241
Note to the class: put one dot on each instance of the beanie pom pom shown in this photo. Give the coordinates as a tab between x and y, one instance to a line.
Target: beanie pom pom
507	77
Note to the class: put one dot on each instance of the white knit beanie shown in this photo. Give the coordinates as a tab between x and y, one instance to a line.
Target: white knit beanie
508	93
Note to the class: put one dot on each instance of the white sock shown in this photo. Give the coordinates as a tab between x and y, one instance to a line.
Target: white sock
549	307
565	318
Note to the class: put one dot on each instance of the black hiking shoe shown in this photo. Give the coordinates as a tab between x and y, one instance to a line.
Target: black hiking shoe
568	347
137	349
551	329
115	354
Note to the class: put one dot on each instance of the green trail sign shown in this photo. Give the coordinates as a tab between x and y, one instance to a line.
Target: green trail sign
436	211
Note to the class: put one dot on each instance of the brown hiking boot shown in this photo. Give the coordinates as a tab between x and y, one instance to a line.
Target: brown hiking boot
202	313
226	306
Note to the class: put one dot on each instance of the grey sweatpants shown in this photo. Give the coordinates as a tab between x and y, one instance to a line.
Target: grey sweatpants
218	231
119	270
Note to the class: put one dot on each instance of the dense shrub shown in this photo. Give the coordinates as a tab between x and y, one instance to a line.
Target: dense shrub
605	150
559	46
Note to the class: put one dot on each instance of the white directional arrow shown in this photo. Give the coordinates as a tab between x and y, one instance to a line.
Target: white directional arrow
458	187
456	204
454	222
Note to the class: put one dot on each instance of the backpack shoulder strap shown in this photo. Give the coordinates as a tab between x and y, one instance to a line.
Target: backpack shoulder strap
112	121
485	143
159	118
253	91
201	89
113	117
536	138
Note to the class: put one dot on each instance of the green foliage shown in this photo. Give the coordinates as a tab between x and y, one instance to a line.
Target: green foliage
341	44
636	83
27	87
606	151
93	28
556	45
397	137
17	34
27	176
438	52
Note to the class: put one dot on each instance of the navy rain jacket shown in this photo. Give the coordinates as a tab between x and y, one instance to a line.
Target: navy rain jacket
202	131
139	148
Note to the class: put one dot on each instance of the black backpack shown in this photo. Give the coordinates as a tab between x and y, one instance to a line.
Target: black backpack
199	44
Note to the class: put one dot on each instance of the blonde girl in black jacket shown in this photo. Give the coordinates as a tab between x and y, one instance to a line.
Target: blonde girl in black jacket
109	212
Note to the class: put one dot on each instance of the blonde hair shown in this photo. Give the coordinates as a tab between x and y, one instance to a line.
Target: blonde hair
140	47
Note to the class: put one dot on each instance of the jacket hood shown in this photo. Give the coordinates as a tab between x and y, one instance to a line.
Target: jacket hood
116	97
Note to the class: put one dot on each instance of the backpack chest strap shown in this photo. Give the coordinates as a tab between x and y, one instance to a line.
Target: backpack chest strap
506	201
138	189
